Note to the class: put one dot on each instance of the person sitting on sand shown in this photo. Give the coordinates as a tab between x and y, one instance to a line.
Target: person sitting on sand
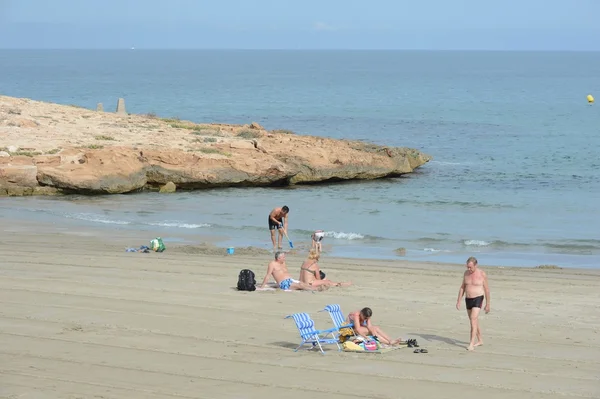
278	269
361	321
316	238
310	273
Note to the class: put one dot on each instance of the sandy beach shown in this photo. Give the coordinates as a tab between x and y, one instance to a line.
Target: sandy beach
81	318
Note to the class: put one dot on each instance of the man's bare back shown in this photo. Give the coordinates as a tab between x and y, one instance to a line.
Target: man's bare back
277	214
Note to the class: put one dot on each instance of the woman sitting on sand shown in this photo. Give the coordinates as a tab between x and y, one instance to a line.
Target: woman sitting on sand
361	321
311	274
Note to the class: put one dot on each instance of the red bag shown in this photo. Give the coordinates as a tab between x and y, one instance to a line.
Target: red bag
370	345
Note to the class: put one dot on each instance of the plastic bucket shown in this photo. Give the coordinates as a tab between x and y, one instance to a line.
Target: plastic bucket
230	251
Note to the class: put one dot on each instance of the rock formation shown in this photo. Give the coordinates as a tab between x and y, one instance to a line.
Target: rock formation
68	149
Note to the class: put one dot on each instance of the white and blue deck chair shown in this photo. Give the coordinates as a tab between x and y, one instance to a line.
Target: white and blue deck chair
306	327
339	321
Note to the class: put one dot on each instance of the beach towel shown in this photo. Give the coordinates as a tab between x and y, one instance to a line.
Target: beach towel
143	249
353	347
345	334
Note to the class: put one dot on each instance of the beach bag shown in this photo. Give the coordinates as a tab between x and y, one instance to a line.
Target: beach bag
370	345
157	245
246	281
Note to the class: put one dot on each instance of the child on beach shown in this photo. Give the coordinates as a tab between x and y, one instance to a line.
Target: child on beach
317	237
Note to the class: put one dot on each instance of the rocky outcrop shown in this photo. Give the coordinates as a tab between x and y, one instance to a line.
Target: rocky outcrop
170	187
74	150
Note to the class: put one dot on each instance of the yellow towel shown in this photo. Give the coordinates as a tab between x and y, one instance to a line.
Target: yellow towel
351	346
345	333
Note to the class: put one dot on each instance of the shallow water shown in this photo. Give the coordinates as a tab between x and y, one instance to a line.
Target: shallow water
515	178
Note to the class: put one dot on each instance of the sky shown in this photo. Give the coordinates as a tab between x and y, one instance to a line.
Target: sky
301	24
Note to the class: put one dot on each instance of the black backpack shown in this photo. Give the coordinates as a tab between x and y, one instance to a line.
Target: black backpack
246	281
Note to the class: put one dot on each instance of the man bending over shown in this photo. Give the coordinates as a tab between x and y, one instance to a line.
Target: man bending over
278	219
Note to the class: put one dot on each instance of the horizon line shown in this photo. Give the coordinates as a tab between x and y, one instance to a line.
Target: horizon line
133	48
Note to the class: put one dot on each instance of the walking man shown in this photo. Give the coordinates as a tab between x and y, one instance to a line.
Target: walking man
475	287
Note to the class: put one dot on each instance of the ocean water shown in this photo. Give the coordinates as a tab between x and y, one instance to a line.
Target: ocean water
515	178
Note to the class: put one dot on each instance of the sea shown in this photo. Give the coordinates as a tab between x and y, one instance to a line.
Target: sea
514	179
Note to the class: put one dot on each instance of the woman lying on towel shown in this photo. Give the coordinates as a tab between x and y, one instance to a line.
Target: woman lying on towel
361	321
311	274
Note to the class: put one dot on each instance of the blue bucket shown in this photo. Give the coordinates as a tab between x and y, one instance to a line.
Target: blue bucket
230	251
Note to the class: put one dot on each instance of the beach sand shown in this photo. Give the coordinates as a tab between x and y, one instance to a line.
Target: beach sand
81	318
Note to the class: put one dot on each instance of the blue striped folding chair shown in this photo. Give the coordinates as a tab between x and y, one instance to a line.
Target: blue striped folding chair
339	321
306	327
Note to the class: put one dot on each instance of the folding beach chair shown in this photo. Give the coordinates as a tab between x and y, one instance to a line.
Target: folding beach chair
339	321
306	327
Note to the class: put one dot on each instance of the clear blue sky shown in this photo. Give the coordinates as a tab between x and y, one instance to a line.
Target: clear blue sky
302	24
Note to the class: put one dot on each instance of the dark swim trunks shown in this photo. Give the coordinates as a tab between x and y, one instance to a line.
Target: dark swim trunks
272	225
474	302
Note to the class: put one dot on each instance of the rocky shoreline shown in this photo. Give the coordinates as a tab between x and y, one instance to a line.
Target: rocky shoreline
51	149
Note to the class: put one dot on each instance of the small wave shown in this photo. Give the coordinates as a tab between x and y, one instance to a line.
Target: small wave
570	247
344	236
90	217
426	240
476	243
450	163
461	204
180	225
435	250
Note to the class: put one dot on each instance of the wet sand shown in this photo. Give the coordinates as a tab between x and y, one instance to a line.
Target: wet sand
81	318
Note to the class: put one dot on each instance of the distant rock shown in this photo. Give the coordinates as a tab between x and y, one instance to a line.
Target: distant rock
400	251
168	188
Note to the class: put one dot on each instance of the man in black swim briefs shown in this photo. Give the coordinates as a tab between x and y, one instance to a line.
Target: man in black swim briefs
475	286
278	220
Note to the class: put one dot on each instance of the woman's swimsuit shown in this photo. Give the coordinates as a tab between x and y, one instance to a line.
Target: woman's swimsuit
313	272
307	269
350	321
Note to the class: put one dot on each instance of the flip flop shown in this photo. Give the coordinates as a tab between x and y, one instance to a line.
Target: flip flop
417	351
424	351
